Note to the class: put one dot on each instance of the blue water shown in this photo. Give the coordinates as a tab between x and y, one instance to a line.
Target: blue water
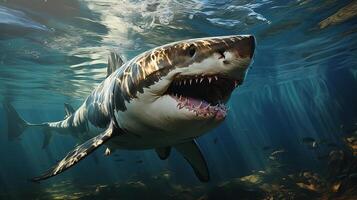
302	83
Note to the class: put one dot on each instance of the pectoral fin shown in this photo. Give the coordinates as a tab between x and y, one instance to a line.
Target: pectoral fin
192	153
80	152
163	152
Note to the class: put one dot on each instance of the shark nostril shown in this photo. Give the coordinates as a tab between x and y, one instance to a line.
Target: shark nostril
226	62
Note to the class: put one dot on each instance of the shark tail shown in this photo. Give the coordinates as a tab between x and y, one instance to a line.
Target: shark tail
16	125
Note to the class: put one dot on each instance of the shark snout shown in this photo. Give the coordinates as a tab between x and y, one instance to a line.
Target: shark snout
236	56
239	51
244	48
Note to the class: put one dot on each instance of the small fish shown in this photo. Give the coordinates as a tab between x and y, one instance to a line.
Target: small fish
310	142
215	140
351	139
314	145
139	161
107	152
277	152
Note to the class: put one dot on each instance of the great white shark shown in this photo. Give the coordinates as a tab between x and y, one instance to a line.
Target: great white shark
161	99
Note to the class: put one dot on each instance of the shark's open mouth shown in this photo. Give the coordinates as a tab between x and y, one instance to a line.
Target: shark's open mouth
204	95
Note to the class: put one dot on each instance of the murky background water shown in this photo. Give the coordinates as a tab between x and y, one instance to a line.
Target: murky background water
300	89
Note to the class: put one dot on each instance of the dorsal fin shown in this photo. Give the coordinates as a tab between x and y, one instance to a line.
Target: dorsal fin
68	109
114	62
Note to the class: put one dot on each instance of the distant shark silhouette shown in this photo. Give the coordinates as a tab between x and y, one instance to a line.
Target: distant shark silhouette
163	98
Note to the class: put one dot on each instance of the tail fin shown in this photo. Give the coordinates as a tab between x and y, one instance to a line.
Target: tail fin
15	124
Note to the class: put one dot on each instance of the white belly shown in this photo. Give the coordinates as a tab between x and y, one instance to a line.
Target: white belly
145	140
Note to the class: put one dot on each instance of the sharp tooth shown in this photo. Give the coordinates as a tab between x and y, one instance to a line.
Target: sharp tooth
179	83
180	97
196	80
235	83
190	81
216	78
199	106
209	79
184	82
201	80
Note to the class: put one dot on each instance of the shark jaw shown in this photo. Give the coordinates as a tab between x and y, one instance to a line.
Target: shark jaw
203	95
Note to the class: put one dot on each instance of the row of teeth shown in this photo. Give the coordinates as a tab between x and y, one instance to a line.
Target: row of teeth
186	103
200	80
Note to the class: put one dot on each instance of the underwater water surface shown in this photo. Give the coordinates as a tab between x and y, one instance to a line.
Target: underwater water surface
291	130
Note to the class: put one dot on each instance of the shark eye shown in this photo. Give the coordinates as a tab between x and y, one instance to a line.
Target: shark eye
191	50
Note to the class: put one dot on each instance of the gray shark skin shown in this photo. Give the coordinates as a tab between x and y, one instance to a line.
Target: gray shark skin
162	99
